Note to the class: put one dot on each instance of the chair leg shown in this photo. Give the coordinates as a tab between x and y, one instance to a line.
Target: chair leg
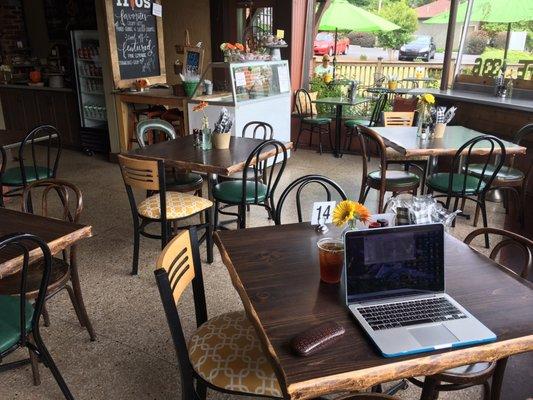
34	361
49	362
429	390
497	379
365	193
201	390
485	222
298	137
311	132
76	289
136	244
209	236
215	220
330	138
320	134
46	316
242	218
486	390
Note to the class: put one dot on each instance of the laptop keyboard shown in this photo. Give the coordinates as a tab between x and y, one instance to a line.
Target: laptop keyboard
408	313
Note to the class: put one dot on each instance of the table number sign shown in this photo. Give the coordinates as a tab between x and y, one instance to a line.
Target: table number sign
322	212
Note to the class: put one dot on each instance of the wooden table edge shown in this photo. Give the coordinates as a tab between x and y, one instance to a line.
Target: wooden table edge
428	364
55	246
268	349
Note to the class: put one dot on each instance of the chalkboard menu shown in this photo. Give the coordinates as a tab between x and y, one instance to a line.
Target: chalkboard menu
136	39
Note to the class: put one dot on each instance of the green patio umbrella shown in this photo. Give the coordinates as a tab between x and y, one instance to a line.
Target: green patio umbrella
344	16
499	11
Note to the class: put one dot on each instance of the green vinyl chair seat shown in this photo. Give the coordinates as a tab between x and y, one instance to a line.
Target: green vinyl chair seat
181	178
317	120
439	183
10	321
351	123
506	173
13	176
395	180
230	192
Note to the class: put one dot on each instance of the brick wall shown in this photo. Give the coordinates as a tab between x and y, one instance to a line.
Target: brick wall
12	27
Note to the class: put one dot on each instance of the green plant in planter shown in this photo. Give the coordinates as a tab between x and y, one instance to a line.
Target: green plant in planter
324	89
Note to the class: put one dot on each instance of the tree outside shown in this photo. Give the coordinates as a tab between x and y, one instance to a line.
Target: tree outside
402	15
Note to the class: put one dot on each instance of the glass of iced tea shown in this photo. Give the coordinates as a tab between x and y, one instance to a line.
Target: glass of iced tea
331	255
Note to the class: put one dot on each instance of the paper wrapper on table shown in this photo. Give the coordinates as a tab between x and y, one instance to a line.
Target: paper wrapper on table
416	210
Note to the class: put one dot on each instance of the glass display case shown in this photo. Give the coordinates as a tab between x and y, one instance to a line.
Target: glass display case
251	91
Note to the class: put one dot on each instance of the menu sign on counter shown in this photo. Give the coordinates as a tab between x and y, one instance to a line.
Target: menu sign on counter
136	40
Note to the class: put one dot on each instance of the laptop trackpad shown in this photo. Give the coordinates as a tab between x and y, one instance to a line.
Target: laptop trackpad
433	335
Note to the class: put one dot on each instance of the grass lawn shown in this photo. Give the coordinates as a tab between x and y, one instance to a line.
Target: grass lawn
513	56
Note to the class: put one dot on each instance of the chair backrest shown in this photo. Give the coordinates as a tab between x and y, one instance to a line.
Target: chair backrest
396	118
523	133
379	106
463	158
513	240
322	182
276	152
69	196
23	243
141	173
403	104
258	130
150	125
178	266
45	136
303	103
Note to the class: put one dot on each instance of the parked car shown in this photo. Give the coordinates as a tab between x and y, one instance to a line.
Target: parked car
325	42
422	47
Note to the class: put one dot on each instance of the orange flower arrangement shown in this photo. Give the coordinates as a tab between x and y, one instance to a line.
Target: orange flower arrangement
230	46
239	46
200	106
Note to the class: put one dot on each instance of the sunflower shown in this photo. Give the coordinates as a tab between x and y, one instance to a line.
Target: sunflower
349	210
428	98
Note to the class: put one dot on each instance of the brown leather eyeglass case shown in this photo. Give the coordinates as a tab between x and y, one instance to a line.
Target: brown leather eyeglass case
317	338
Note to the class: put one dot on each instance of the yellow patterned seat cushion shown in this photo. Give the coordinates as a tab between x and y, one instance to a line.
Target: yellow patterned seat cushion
179	205
226	352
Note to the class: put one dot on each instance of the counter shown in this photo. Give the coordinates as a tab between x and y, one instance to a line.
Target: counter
486	99
33	87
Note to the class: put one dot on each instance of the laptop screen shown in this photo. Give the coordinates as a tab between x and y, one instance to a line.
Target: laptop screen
392	262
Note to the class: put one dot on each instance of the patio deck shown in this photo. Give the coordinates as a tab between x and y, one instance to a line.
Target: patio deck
133	356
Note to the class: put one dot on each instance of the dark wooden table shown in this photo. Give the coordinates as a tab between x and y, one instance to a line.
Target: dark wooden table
279	284
58	234
339	103
405	141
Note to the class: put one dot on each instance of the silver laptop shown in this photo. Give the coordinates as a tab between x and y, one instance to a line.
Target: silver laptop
394	286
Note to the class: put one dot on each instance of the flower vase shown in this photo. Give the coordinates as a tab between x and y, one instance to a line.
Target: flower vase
350	226
424	123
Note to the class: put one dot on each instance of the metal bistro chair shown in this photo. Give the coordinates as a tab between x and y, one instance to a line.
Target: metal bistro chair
352	124
224	353
461	184
64	272
392	180
397	118
509	178
311	122
179	181
17	178
19	319
302	183
480	373
162	206
257	191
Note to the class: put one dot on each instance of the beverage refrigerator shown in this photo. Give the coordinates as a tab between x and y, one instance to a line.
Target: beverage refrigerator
89	86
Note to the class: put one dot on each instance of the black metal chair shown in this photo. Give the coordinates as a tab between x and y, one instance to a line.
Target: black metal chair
161	206
19	319
480	373
41	163
180	181
256	190
300	185
463	185
510	178
309	121
222	347
352	124
392	180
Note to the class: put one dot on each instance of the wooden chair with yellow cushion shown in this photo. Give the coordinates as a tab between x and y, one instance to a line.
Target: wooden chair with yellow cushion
161	206
310	121
224	353
397	118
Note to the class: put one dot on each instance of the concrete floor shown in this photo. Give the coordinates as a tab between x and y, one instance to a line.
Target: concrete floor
133	356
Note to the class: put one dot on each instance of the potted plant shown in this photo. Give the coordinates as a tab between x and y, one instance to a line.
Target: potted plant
222	131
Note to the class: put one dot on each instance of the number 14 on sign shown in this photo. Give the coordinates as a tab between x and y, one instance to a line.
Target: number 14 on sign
322	212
